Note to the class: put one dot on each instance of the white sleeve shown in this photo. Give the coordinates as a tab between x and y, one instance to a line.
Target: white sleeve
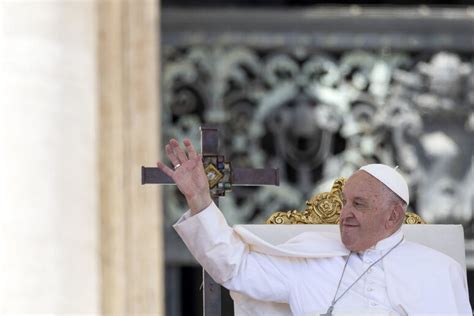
228	261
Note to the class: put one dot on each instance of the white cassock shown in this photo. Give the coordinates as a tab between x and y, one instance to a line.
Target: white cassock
304	272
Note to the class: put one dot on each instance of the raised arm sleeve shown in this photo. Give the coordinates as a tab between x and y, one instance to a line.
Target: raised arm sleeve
228	260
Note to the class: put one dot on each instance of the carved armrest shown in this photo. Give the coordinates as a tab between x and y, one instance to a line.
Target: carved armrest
324	208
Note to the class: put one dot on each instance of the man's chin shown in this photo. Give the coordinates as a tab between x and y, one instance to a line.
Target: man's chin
348	242
350	246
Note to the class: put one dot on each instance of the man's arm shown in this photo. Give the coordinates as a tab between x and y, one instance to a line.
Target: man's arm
228	260
213	243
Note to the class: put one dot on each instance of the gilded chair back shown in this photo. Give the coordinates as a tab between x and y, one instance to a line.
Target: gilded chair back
324	208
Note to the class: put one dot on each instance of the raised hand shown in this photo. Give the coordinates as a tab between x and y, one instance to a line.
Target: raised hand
188	174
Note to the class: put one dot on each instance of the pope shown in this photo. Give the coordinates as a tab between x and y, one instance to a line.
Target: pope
373	271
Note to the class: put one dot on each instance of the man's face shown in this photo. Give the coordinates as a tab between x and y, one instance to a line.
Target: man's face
364	213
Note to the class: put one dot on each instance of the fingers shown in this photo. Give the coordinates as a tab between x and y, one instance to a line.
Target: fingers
177	156
178	151
165	169
171	155
190	148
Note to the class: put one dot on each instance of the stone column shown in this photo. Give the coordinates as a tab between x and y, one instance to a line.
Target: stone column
49	240
131	234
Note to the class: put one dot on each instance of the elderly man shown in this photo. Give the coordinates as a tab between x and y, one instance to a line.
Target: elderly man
373	271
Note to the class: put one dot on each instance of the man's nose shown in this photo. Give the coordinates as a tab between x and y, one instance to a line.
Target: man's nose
345	213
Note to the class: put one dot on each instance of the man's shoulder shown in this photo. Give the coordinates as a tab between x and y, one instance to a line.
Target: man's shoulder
416	252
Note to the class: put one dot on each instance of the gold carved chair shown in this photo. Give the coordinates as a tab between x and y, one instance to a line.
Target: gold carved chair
324	208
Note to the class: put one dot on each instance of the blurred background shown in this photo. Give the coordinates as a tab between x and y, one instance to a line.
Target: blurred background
91	89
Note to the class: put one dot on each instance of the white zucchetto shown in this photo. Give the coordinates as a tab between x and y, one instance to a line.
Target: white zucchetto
391	178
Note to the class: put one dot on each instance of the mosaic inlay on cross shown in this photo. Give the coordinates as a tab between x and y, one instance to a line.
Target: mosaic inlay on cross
222	177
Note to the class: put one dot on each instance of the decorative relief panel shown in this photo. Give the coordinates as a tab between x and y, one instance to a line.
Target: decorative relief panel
318	116
318	94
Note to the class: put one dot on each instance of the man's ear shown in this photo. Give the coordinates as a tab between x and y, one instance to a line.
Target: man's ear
397	215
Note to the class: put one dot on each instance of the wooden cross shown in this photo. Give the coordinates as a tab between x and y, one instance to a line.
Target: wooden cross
222	177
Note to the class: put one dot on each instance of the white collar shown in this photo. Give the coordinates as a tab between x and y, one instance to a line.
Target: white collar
386	243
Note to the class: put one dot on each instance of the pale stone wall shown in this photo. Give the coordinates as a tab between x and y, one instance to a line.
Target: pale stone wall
131	214
49	251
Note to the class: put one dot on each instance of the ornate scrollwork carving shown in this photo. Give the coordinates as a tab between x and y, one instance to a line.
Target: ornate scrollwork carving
412	218
324	208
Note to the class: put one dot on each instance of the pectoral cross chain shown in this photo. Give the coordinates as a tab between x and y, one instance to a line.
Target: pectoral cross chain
329	311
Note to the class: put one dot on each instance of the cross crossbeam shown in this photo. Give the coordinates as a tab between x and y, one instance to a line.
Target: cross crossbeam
240	177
